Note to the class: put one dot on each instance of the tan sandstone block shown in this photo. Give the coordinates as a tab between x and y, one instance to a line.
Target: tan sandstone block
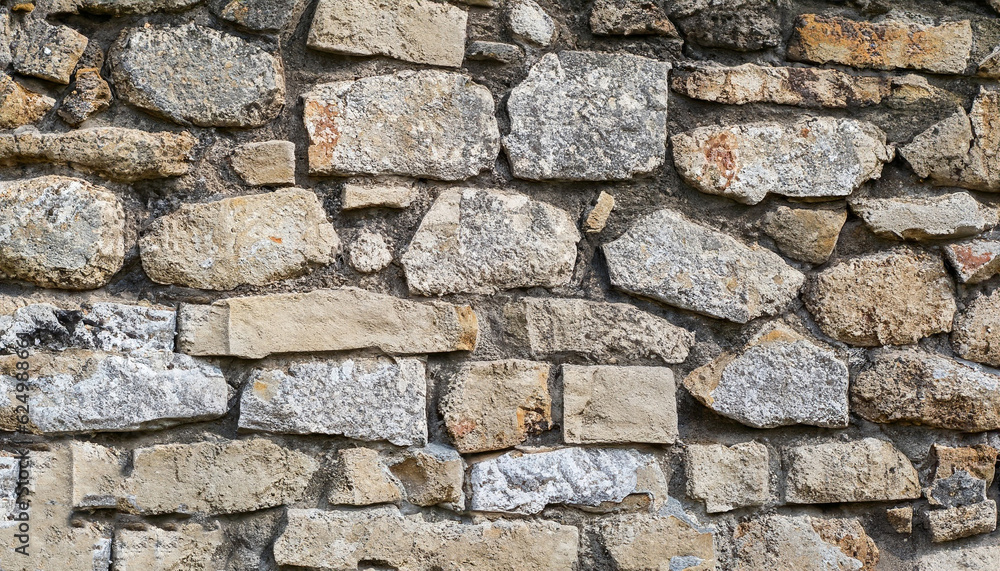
607	404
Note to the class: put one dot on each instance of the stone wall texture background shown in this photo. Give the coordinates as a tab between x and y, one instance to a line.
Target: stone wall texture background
499	284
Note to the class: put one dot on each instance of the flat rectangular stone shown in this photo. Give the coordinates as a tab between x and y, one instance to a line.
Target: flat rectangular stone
728	477
608	404
190	547
867	470
358	196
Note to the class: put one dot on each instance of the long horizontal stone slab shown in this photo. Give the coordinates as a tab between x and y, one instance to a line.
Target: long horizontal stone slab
866	470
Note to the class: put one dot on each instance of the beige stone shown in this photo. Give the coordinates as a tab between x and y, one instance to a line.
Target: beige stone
433	475
91	95
265	163
598	216
979	461
362	479
901	519
950	524
20	106
728	477
949	216
645	542
804	543
609	404
190	547
369	252
805	234
976	334
974	260
357	196
864	470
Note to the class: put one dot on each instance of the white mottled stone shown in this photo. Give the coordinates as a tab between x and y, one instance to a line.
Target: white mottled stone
101	326
955	215
369	252
530	24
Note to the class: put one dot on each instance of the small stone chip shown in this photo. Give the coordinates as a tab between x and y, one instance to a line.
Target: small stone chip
369	252
387	195
433	475
974	260
266	163
598	216
901	519
805	234
362	479
530	24
494	51
91	95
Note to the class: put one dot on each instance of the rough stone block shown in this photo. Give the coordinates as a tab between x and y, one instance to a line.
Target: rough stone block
728	477
608	404
867	470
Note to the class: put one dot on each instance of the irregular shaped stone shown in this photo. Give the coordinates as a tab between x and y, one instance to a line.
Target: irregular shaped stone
814	158
728	477
530	24
188	546
735	24
630	18
588	116
266	163
433	475
324	320
6	37
965	521
426	124
491	405
357	196
979	461
866	470
974	336
494	51
779	378
947	216
257	239
890	44
608	404
965	557
91	95
526	483
209	78
46	51
974	261
483	241
959	489
128	7
916	387
377	398
347	539
257	15
901	519
410	30
638	542
805	234
668	258
60	232
362	479
804	543
888	298
598	330
124	155
19	106
369	252
597	218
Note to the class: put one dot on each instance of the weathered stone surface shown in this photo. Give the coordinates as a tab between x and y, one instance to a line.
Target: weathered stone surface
91	95
974	261
433	475
954	215
965	521
588	116
979	461
357	196
665	541
482	241
608	404
345	539
728	477
128	7
195	75
888	298
804	543
890	44
60	232
429	124
324	320
668	258
266	163
46	51
20	106
958	489
864	470
410	30
119	154
362	479
805	234
190	546
735	24
630	18
975	333
257	239
257	15
494	51
598	216
526	483
921	388
530	24
779	378
369	252
981	557
901	519
378	398
604	332
492	405
6	37
814	158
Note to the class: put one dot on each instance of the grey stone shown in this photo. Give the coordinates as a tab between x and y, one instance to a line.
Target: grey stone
743	25
804	543
630	17
668	258
20	106
974	261
494	51
530	24
379	398
483	241
805	234
959	489
369	252
728	477
265	163
428	124
901	519
46	51
209	78
974	336
814	158
432	475
91	95
588	116
188	546
257	15
867	470
60	232
956	523
664	541
948	216
6	37
129	7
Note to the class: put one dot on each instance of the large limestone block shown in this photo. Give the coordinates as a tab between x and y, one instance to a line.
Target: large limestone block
612	405
866	470
190	547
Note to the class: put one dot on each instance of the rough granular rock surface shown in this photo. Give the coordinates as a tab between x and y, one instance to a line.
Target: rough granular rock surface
20	106
734	24
975	260
864	470
976	335
963	521
432	475
369	253
630	17
191	546
728	477
957	215
650	541
529	23
266	163
45	51
804	543
91	95
609	404
362	479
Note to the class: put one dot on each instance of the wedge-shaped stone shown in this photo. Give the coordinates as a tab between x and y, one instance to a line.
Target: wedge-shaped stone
319	539
942	217
428	124
411	30
814	158
805	234
728	477
482	241
866	470
91	95
188	546
588	116
974	261
257	240
46	51
124	155
364	398
324	320
666	257
921	388
609	404
891	44
432	475
60	232
888	298
667	541
100	326
779	378
804	543
964	521
958	489
362	479
19	106
265	163
975	333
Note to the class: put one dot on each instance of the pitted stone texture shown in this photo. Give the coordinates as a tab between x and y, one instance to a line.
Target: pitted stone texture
916	387
257	239
956	215
742	25
588	116
630	18
324	320
265	163
427	124
866	470
779	378
728	477
418	31
369	252
257	15
974	260
901	519
492	405
804	543
959	489
318	539
96	475
109	327
20	106
494	51
608	404
46	51
668	258
965	557
124	155
128	7
814	158
530	24
890	44
362	479
975	335
955	523
190	547
432	475
482	241
195	75
805	234
91	95
889	298
358	196
604	332
526	483
378	398
666	542
6	37
60	232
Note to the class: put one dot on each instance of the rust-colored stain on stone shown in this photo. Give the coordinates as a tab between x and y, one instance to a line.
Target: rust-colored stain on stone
275	239
321	121
720	151
967	257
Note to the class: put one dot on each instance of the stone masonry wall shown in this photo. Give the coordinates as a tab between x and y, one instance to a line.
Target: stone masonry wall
499	284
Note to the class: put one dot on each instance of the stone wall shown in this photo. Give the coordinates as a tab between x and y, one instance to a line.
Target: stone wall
574	284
